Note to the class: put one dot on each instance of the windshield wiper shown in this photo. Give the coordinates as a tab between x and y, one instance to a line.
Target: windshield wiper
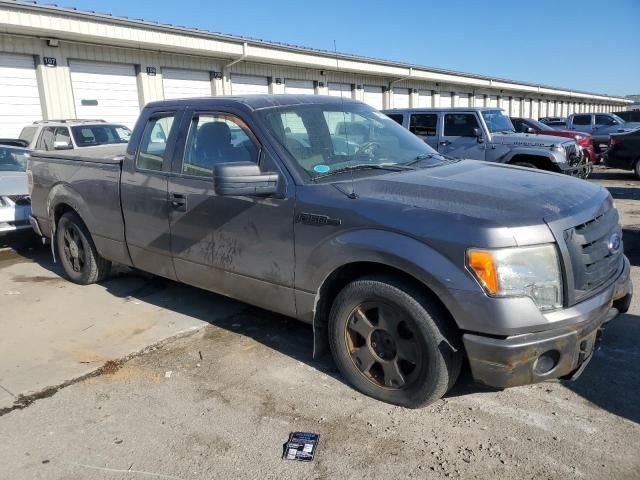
419	158
363	166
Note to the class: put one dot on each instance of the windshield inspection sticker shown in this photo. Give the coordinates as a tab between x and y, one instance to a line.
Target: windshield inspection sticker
301	446
321	168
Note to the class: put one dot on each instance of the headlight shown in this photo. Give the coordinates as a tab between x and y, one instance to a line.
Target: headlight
532	272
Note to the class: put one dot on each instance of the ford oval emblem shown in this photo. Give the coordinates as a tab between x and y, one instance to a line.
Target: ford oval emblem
614	242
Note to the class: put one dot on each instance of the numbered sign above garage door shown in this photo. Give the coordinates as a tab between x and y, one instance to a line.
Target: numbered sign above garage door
373	96
105	91
299	87
19	97
249	85
178	83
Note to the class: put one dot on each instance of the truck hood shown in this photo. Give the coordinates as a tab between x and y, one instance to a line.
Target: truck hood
527	139
628	126
497	194
13	183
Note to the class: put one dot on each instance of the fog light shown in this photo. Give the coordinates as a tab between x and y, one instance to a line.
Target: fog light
546	362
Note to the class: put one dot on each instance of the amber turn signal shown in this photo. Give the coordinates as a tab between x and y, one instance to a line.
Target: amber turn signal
481	262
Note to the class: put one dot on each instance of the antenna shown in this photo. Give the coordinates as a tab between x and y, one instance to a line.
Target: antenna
352	194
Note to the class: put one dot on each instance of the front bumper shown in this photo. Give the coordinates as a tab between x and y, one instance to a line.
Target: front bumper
536	357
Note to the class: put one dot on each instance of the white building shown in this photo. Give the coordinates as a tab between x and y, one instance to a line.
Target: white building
64	63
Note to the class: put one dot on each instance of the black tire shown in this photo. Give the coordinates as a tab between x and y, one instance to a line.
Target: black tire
420	363
525	164
636	168
81	261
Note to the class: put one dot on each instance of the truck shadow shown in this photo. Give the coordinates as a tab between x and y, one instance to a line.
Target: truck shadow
611	382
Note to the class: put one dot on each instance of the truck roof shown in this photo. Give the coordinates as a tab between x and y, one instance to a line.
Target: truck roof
256	102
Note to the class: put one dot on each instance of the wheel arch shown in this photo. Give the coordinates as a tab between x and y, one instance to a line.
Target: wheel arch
349	272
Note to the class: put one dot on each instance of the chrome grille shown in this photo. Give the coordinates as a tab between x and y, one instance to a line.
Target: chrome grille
593	259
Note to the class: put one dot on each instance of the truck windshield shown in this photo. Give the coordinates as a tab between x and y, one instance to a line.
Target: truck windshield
618	119
13	159
541	125
92	135
497	121
335	138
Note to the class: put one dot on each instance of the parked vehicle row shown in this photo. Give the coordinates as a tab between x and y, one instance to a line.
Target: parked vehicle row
488	134
600	126
407	261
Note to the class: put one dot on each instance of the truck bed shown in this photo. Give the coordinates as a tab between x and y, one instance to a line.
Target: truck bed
87	180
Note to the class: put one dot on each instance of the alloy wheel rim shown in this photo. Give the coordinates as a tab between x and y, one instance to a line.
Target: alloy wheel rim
384	346
73	248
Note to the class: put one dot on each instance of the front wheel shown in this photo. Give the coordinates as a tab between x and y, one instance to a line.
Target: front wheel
392	342
81	261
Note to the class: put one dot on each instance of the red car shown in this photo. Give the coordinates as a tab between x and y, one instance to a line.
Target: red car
529	125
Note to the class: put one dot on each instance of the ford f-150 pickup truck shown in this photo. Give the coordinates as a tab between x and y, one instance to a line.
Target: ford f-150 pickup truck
405	262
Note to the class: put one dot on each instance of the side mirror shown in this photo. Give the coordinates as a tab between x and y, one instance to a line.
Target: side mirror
60	145
478	134
243	178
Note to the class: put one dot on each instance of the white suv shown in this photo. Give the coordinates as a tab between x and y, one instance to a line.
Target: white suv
71	134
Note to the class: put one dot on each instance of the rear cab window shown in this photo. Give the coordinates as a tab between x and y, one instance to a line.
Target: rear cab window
92	135
396	117
153	144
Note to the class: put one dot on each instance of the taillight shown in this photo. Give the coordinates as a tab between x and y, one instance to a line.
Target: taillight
30	181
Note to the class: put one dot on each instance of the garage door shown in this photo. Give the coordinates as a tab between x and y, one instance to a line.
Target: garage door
445	100
106	91
401	98
340	90
543	109
425	99
504	104
526	108
493	101
19	98
373	96
463	100
535	108
249	85
515	106
479	100
178	83
299	87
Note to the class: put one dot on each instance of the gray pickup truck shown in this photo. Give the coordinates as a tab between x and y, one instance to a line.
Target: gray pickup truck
488	134
600	126
406	263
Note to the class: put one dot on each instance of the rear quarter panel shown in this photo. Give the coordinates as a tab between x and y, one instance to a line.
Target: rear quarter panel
91	189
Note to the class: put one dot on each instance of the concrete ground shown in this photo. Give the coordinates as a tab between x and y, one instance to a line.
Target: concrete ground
220	402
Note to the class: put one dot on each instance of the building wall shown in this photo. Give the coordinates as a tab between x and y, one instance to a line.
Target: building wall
26	30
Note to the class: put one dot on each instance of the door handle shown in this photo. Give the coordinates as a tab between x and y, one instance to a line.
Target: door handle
178	202
444	143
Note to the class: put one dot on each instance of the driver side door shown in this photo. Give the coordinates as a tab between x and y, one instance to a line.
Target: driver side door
240	246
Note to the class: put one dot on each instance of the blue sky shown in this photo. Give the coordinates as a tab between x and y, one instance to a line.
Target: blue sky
590	45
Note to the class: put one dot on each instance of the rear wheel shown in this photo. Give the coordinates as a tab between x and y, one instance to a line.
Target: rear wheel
81	261
393	343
